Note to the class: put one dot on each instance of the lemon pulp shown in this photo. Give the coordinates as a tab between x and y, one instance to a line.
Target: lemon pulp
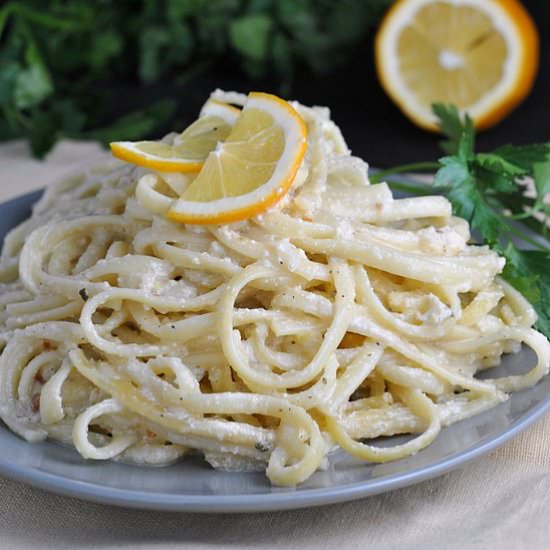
451	52
246	160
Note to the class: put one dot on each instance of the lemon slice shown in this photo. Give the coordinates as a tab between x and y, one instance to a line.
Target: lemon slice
189	149
251	170
481	56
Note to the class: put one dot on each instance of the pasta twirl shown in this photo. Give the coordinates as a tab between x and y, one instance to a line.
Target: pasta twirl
338	316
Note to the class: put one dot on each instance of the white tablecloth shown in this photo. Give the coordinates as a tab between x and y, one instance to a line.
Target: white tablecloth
501	501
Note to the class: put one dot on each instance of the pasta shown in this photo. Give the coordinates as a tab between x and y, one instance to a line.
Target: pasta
338	316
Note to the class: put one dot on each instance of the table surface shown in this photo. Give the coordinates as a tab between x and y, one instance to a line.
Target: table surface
498	501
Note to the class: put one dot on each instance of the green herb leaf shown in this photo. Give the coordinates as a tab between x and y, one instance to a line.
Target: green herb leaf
135	125
541	176
69	117
453	170
528	271
492	181
470	204
539	263
105	47
250	36
499	165
153	41
524	156
460	133
32	84
516	272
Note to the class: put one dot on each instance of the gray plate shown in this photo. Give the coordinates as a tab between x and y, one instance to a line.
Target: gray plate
191	485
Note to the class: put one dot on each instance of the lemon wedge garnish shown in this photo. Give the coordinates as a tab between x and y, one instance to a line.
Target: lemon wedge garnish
249	171
190	148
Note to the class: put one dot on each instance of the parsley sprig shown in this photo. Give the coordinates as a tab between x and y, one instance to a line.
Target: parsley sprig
80	69
502	195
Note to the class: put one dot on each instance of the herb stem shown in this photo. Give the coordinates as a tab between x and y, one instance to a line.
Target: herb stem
525	214
413	167
538	226
526	238
414	188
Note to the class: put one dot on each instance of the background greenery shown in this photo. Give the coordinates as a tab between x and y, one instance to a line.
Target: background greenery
62	62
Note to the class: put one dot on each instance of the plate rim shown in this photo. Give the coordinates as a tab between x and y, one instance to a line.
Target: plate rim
287	499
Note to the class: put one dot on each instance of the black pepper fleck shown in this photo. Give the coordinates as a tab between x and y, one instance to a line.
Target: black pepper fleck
83	294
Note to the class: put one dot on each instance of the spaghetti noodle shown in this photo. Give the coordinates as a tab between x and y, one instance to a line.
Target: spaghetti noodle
341	315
